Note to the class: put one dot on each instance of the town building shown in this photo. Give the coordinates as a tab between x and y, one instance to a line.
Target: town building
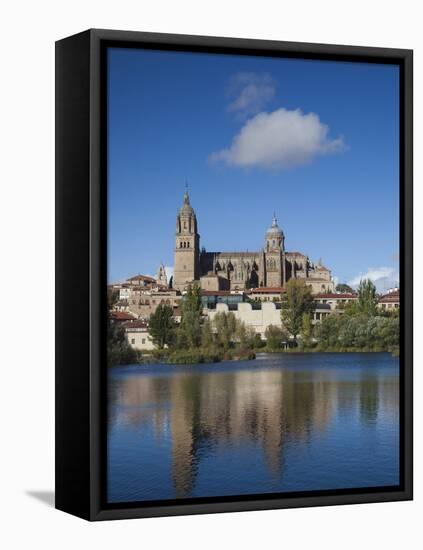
266	294
141	280
143	302
335	301
121	317
390	301
138	336
273	266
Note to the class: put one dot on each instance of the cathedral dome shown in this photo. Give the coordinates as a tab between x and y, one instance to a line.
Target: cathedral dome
274	230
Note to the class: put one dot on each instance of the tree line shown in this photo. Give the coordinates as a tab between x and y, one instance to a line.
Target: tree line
357	326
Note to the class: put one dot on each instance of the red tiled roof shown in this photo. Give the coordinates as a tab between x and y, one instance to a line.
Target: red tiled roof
121	316
334	295
390	298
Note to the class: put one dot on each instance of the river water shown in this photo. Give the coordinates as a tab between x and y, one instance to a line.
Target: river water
281	423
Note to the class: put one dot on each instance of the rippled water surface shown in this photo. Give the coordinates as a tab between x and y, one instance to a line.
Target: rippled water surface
284	422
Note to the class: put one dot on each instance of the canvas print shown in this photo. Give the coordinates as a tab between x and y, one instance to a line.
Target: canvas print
253	276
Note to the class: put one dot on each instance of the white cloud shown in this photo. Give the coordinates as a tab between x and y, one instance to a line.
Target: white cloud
279	139
251	92
383	278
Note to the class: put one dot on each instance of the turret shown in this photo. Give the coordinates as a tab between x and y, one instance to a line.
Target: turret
187	246
275	239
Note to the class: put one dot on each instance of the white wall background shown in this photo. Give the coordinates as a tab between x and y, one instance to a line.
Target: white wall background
28	31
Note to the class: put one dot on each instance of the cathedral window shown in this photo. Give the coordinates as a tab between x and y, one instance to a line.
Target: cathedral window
187	244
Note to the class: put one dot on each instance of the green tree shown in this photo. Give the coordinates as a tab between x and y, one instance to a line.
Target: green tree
246	336
162	327
112	297
274	337
306	330
226	327
358	332
119	351
367	297
296	301
189	333
344	288
207	336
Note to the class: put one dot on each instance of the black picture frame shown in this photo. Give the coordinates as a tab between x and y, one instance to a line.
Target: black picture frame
81	265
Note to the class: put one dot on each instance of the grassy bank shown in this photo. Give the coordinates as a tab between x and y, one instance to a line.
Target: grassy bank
201	356
198	356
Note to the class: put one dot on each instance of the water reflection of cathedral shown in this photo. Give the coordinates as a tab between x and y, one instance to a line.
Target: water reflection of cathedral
268	409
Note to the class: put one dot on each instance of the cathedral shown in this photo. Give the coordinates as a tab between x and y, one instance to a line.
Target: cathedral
270	267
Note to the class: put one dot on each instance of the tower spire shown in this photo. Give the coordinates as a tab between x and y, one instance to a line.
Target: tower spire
186	194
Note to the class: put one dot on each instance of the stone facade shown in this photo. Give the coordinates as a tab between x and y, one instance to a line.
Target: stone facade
271	267
142	303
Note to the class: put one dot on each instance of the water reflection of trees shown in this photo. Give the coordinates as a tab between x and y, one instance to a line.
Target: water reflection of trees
202	411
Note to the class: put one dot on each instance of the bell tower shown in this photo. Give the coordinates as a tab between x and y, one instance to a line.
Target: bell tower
274	251
187	246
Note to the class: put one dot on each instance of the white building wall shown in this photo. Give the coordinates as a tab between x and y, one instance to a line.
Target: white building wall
259	319
139	339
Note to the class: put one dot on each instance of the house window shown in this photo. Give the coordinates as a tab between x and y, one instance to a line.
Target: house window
143	341
132	341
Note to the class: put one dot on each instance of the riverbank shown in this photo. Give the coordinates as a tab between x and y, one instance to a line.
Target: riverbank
201	356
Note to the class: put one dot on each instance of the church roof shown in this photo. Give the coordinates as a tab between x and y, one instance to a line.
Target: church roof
229	255
295	254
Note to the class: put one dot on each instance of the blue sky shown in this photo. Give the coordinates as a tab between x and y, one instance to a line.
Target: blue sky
315	141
